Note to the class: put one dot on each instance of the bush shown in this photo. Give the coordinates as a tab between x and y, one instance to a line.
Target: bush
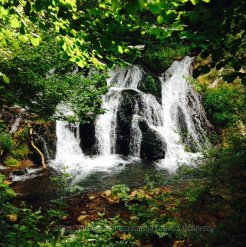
225	104
6	142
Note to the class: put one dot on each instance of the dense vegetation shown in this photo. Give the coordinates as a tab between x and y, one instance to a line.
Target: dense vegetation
59	51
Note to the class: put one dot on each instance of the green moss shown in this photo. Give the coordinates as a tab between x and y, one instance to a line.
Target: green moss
24	133
20	152
11	162
6	142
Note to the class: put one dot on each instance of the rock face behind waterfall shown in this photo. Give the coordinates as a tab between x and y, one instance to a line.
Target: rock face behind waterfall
124	121
45	138
87	137
153	146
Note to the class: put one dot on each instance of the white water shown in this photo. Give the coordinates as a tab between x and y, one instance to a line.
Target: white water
176	92
163	118
136	137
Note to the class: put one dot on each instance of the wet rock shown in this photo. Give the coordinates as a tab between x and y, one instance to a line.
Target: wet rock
44	137
151	84
153	146
19	172
124	120
186	138
87	137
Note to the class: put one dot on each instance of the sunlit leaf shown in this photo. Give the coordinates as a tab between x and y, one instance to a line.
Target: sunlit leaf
160	19
5	78
35	41
14	22
120	49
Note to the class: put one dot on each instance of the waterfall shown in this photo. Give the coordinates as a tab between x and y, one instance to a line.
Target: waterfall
106	124
181	106
46	150
133	120
136	137
68	150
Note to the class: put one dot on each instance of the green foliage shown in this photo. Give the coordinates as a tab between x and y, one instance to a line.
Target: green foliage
159	57
10	161
6	193
149	85
222	163
20	152
41	78
6	142
89	32
195	191
22	226
225	104
102	232
121	190
84	95
211	35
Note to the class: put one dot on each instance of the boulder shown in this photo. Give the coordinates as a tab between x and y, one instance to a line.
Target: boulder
153	146
125	113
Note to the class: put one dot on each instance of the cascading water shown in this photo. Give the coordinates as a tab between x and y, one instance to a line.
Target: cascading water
68	150
133	117
183	114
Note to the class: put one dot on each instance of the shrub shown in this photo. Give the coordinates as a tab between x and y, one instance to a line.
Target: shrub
6	142
225	104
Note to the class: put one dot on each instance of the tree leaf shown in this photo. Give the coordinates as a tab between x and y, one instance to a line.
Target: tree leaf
155	9
35	41
194	2
120	49
160	19
141	4
5	78
14	22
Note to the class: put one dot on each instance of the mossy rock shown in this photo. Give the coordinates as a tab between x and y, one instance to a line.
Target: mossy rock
11	162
